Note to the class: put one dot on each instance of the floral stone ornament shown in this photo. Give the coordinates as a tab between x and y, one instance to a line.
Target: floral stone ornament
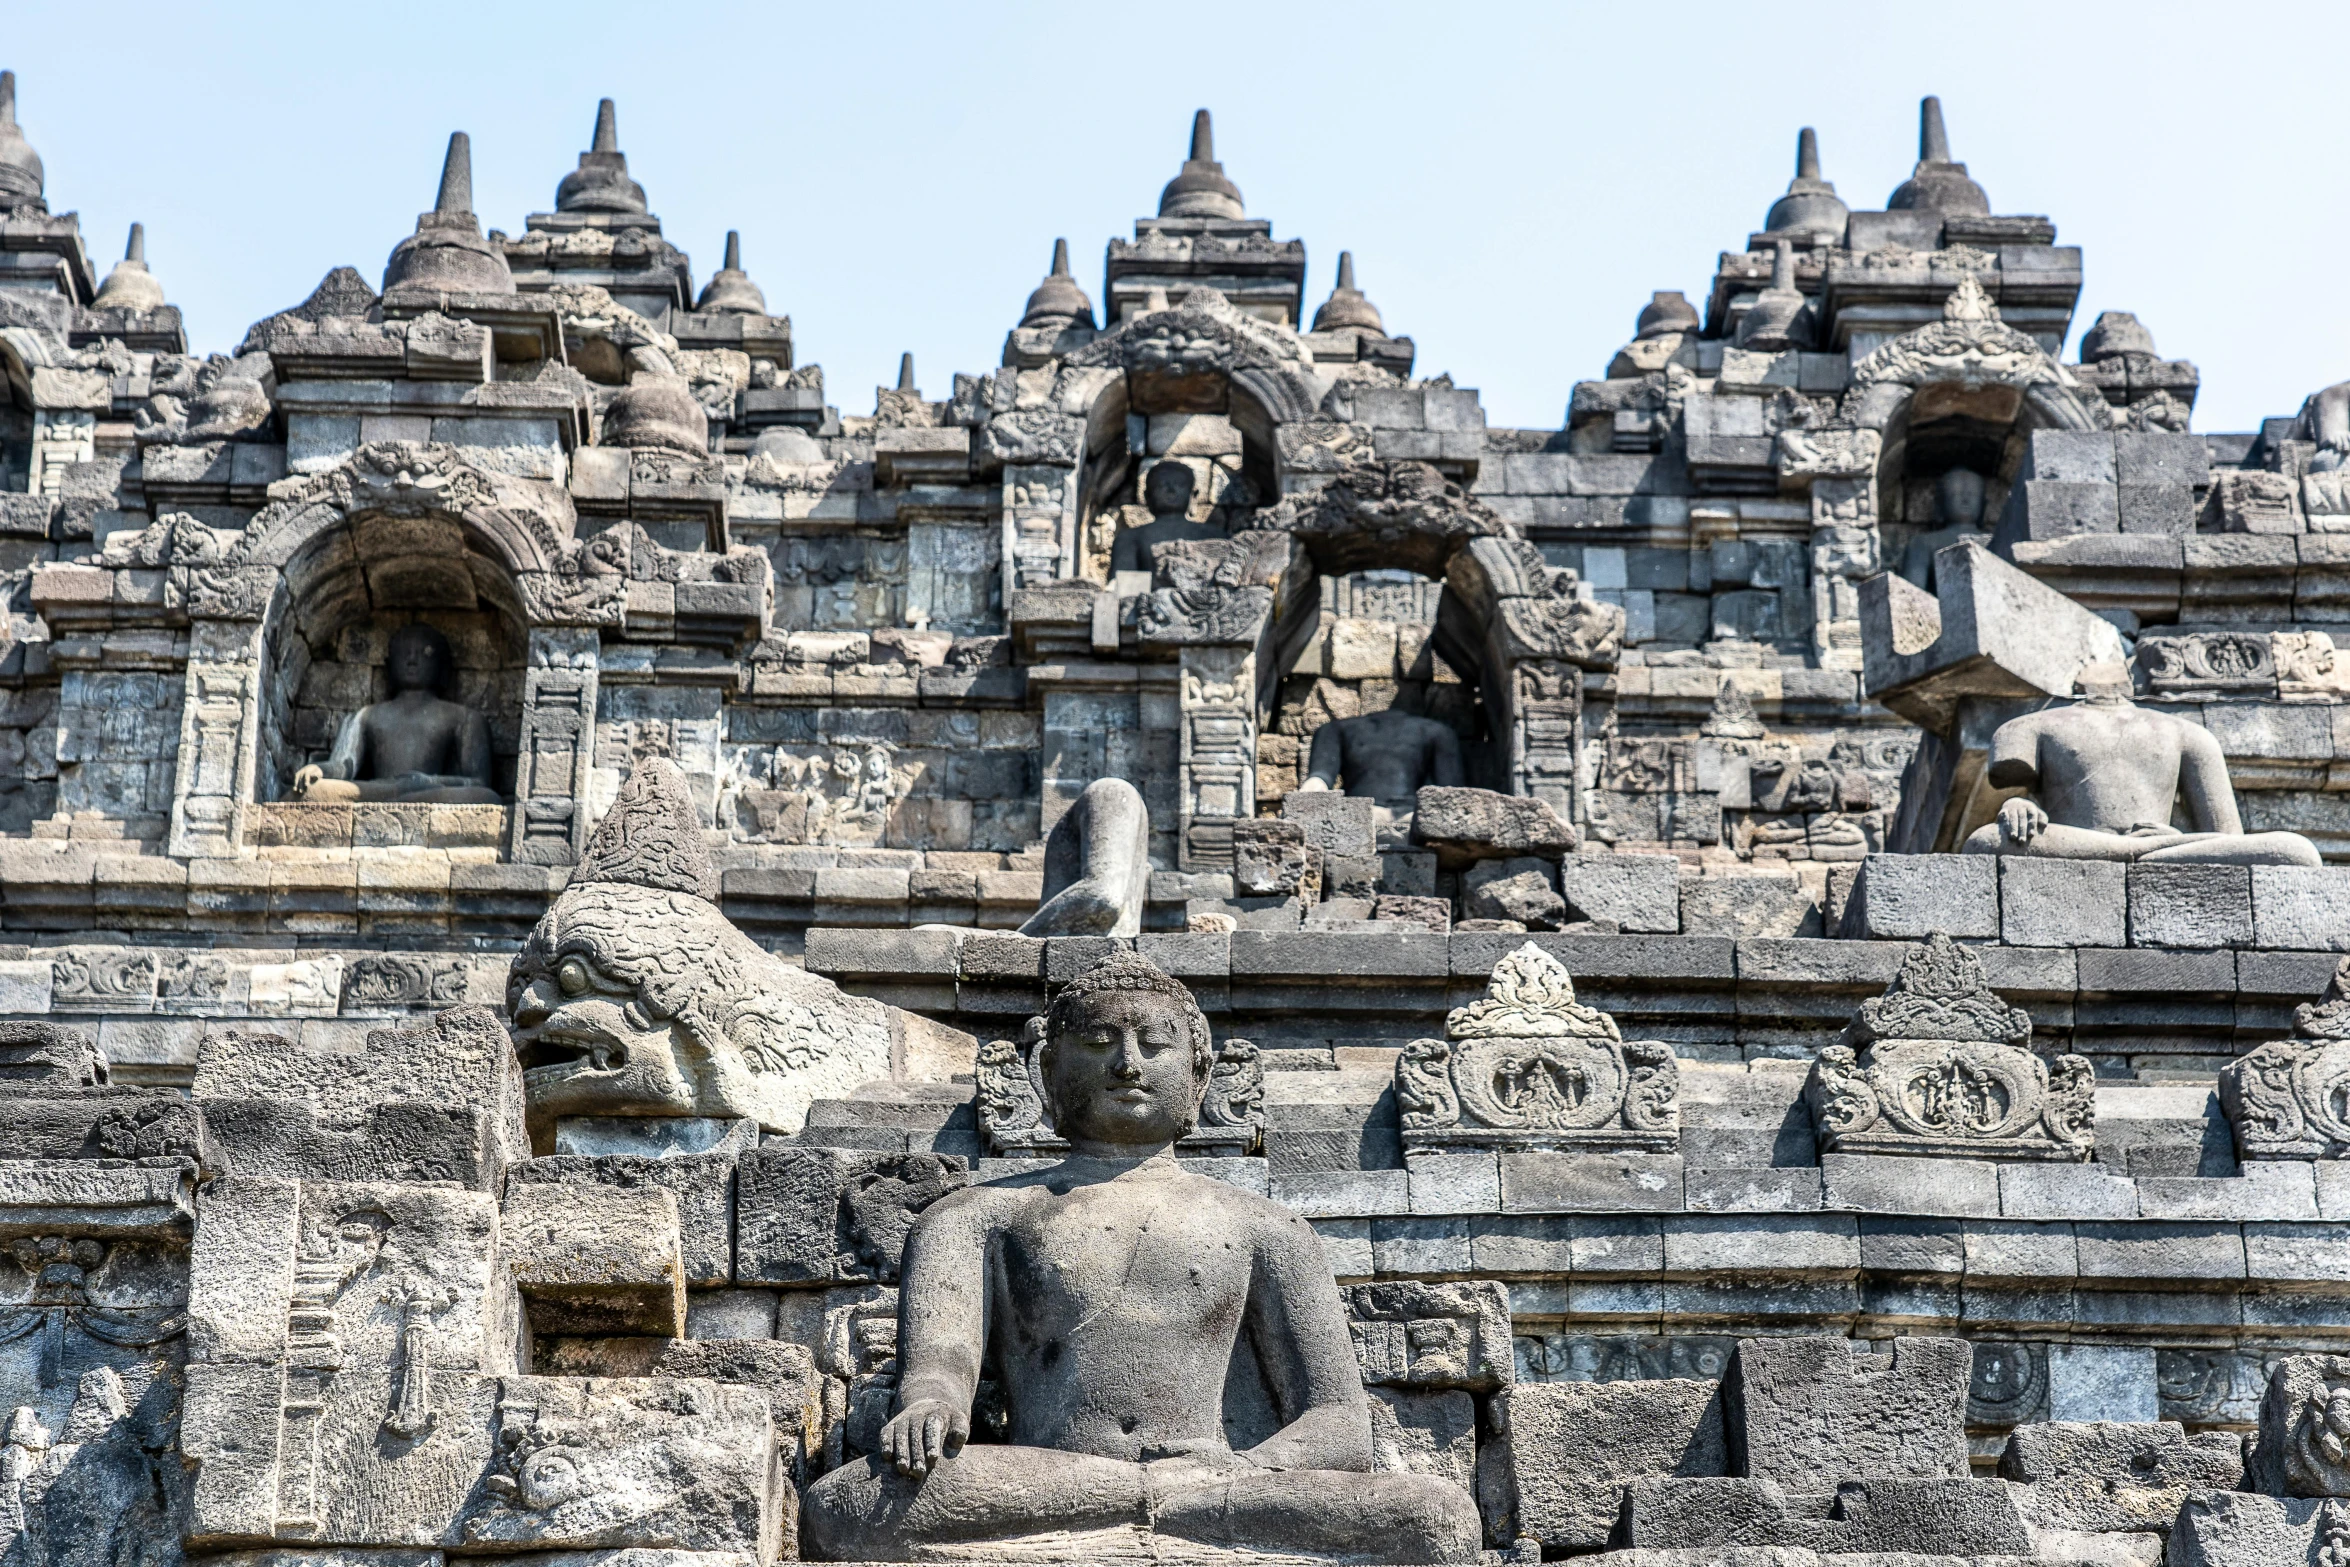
1939	1066
1530	1068
2290	1098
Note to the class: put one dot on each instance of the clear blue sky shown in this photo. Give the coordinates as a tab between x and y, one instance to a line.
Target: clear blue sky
1513	180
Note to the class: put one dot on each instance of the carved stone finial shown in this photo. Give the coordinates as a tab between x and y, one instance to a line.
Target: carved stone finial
1938	183
651	837
906	372
1346	306
601	182
1058	302
1968	302
130	286
1775	321
1733	716
2115	334
21	175
1668	310
1201	190
456	195
1811	207
730	289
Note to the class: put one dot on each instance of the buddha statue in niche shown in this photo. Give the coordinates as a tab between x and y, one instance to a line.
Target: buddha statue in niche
1959	495
1107	1295
2103	775
1167	490
417	747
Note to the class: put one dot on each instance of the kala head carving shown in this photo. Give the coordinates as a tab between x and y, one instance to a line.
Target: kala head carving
635	997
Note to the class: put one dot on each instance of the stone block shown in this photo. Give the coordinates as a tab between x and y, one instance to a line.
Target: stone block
2065	1191
1636	892
2269	1189
2167	1252
2230	1529
1748	906
786	1373
2062	903
1424	1433
1337	824
1808	1413
2072	457
1590	1182
1523	889
1885	1183
1270	859
2020	1250
701	1183
1408	1247
1907	897
597	1260
2302	908
1462	825
1573	1446
1454	1182
812	1215
1749	1188
2100	1382
2190	905
1812	1243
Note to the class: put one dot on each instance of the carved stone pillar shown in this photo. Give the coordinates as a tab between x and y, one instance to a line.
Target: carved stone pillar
220	739
1843	551
1546	731
1219	755
558	747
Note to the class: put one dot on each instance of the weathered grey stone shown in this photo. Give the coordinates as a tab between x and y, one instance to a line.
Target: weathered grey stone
1465	825
1808	1412
1340	825
1574	1446
1096	865
703	1185
1930	1517
2114	1476
1748	906
832	1215
1632	892
1908	897
595	1259
2062	903
1524	890
1272	859
2228	1529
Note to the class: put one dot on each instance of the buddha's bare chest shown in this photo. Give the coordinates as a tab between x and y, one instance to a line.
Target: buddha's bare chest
1085	1265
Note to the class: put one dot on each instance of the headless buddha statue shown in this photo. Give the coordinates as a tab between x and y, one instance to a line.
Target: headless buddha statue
1107	1296
417	747
2103	776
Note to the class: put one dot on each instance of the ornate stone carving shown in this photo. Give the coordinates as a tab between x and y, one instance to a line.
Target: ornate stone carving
635	996
376	980
1969	345
2290	1098
1939	1066
1530	1067
1433	1335
2304	1445
1013	1118
2210	661
1832	453
102	979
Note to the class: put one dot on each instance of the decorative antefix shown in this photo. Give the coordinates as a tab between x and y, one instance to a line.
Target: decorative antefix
2290	1098
1939	1066
1531	1068
1015	1118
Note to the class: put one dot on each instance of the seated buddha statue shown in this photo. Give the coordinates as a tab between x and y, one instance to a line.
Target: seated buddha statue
1167	490
416	747
2103	776
1107	1296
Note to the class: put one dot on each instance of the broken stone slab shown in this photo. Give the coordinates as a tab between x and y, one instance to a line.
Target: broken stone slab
703	1185
1574	1446
814	1216
1807	1413
1340	825
1989	629
1273	859
98	1197
1522	890
1466	825
597	1260
1424	1433
2304	1443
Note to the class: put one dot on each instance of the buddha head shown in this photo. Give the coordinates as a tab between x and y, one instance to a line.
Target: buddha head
418	659
1958	498
1167	490
1126	1056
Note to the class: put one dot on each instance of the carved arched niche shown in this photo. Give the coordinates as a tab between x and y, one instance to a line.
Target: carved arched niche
1204	422
346	592
1963	393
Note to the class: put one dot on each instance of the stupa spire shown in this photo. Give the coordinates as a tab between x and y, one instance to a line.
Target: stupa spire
456	196
1201	190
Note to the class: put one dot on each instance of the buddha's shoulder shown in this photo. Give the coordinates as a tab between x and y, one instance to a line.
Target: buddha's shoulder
1234	1203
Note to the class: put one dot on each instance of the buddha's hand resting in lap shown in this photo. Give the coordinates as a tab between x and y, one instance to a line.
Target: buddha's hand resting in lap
306	777
922	1433
2022	819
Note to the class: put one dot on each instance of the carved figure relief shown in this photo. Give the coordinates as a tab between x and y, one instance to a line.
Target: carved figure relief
1530	1067
2290	1098
1940	1066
